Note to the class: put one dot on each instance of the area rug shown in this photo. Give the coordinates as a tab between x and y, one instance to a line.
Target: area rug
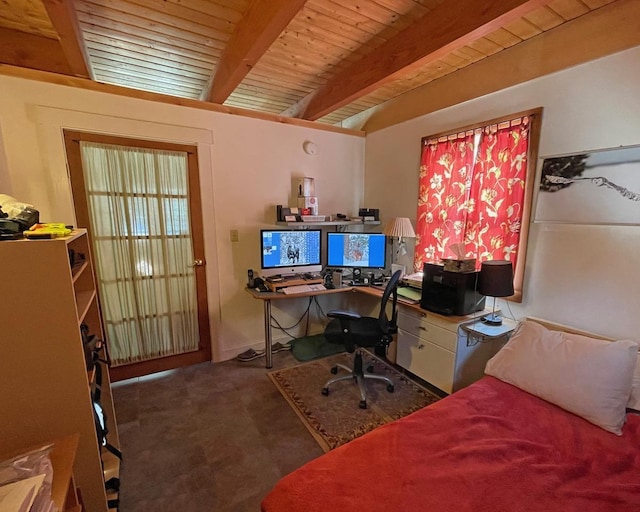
337	419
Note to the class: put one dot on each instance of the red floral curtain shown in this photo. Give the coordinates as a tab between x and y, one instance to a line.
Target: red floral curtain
498	191
471	191
445	180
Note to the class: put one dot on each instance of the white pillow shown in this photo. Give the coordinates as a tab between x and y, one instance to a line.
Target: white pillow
589	377
634	399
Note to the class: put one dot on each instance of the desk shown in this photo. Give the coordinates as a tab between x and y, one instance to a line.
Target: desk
267	297
443	350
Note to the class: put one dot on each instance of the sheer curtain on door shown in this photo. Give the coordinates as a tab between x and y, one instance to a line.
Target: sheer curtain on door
139	215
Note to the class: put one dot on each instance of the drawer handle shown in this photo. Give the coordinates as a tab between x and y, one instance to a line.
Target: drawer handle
423	328
421	346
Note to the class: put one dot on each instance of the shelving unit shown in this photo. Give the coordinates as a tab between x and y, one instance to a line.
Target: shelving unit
335	223
64	492
44	383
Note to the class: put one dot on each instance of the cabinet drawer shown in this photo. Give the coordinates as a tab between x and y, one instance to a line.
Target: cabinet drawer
426	360
421	327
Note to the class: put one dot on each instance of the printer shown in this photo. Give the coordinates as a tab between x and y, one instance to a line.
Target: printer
450	293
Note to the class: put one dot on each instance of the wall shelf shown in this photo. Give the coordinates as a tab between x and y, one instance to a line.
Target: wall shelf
336	223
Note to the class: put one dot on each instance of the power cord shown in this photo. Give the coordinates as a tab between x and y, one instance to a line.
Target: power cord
304	315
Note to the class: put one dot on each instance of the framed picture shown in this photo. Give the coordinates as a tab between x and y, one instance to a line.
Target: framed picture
595	187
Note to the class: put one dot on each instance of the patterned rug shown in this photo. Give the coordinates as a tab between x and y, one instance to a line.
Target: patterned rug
337	419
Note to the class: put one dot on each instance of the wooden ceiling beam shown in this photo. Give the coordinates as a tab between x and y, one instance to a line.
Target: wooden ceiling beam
436	34
259	28
65	22
32	51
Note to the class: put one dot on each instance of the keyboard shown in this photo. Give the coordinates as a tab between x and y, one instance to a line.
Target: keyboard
303	288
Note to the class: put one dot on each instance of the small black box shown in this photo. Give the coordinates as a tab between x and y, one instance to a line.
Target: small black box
369	212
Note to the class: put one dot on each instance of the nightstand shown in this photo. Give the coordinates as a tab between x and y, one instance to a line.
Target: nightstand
479	332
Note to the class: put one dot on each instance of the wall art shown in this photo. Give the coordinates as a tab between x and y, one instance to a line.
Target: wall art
594	187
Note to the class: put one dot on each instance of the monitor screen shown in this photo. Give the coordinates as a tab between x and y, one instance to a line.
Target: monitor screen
356	250
286	252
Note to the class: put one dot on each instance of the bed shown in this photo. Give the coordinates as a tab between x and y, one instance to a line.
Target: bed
554	435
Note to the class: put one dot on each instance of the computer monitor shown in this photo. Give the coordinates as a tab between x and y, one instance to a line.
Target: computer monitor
287	252
363	250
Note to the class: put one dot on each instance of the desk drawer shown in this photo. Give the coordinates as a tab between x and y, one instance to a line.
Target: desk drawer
426	360
420	327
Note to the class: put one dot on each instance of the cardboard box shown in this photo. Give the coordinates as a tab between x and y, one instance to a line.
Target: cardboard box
451	265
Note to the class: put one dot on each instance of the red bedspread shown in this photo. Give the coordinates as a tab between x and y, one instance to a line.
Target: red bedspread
489	447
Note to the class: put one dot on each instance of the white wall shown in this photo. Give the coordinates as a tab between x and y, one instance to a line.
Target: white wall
585	276
246	168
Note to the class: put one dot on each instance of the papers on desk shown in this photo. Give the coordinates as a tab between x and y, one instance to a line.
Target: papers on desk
19	496
413	280
303	288
409	294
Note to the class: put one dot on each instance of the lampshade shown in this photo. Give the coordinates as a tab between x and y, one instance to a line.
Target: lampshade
399	227
496	278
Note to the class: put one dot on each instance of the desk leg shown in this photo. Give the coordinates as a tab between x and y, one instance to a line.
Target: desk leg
268	355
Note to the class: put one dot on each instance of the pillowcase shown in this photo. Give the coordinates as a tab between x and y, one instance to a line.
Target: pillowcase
634	399
589	377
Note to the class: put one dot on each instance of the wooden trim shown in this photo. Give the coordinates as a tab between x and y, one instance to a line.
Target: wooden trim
532	165
72	140
475	126
76	178
88	85
129	371
197	239
76	136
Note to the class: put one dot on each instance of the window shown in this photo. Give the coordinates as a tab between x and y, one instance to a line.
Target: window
475	190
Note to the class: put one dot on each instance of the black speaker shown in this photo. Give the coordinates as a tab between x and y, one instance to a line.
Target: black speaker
328	281
251	283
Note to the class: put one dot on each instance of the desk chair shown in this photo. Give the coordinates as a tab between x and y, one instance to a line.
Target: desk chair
355	331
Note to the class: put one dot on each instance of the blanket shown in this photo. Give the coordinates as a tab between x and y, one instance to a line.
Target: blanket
487	448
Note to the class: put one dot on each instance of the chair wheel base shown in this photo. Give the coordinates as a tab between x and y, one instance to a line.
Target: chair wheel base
325	391
363	404
334	370
390	388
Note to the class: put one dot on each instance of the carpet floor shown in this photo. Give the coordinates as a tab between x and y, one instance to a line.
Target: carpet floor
337	419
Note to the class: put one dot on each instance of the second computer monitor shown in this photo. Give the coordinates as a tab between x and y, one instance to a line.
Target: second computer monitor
363	250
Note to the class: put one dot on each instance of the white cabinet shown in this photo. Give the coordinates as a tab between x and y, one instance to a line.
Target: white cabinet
44	384
438	350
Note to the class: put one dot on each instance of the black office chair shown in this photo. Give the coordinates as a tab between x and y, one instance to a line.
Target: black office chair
355	331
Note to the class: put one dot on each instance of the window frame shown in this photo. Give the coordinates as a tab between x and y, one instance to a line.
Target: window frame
535	116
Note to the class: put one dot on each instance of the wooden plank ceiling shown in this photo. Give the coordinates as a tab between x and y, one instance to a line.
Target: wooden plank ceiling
323	60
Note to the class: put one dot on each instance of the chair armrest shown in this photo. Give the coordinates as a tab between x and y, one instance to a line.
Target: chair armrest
347	315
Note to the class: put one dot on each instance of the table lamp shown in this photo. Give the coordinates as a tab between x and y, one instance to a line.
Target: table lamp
400	228
495	280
